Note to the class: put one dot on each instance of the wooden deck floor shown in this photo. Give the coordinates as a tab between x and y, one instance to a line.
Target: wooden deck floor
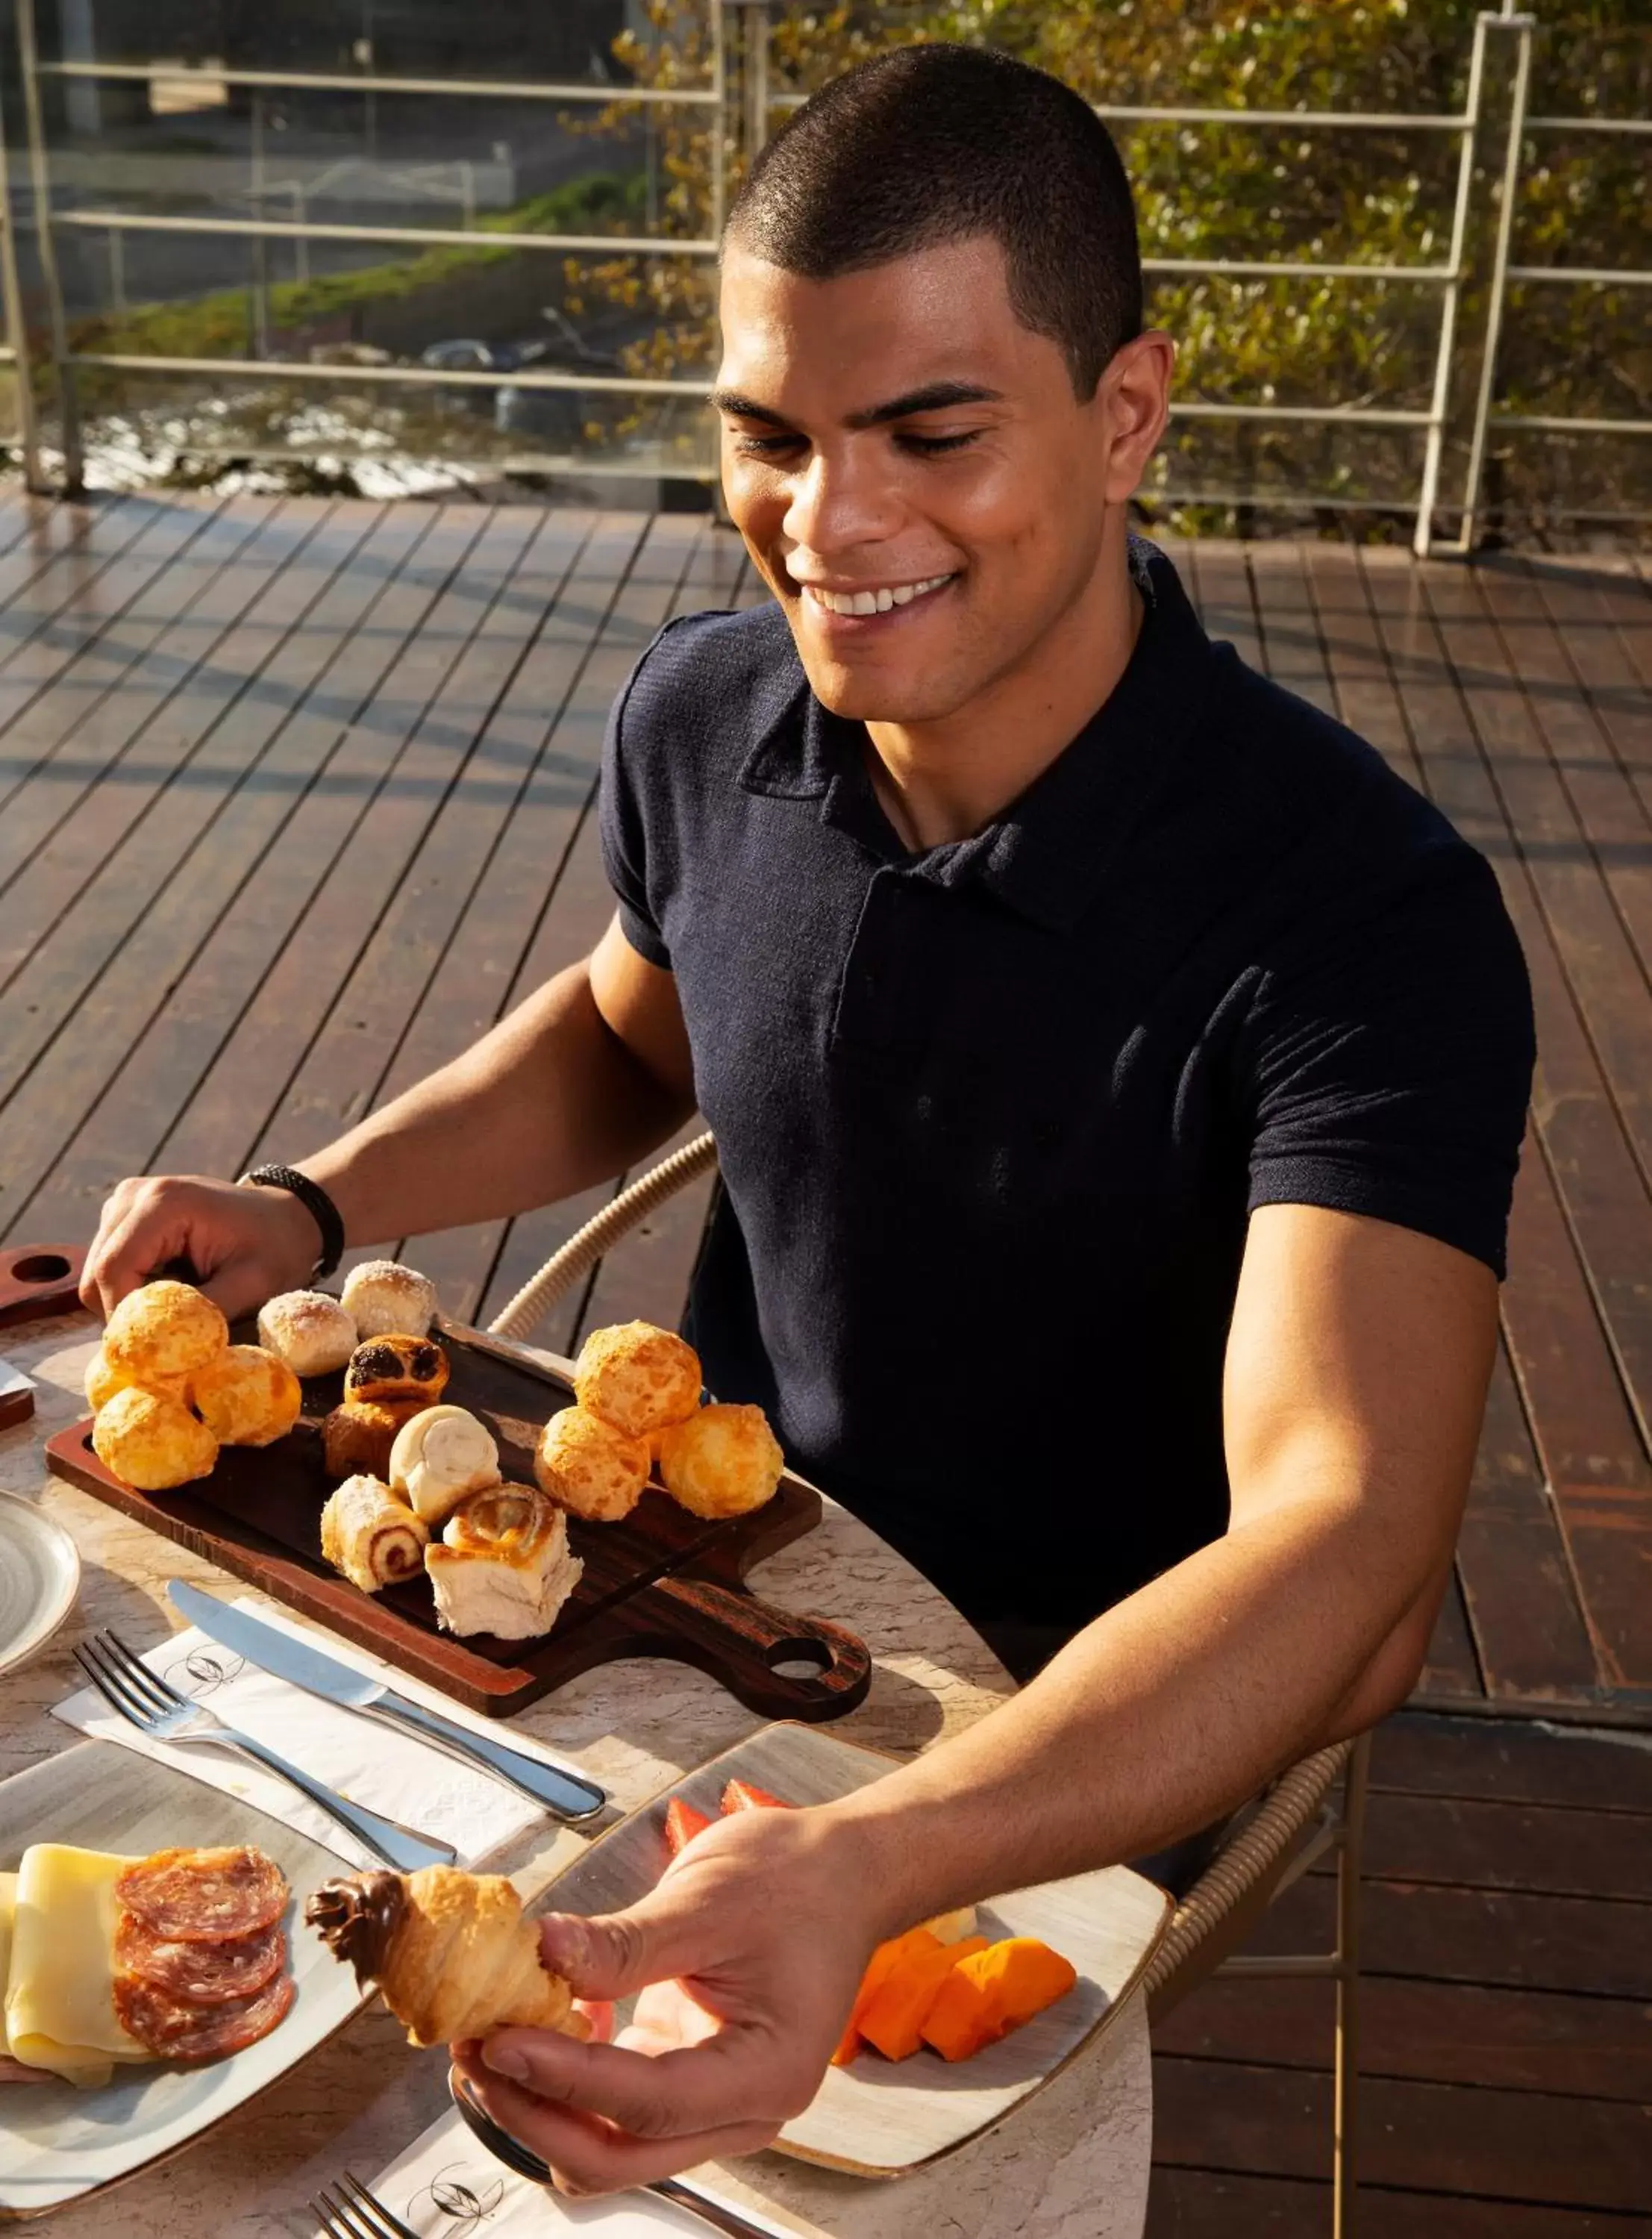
296	797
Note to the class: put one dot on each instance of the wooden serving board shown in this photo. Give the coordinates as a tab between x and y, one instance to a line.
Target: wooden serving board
660	1582
37	1279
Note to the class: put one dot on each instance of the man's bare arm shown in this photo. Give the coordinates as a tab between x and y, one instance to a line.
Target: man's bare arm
589	1074
1354	1382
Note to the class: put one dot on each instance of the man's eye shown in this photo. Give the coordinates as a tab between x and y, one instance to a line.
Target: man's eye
929	446
763	447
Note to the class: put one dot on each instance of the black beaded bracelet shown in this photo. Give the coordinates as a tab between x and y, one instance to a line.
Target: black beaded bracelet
316	1202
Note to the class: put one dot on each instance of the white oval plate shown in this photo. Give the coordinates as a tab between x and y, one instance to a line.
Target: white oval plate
39	1575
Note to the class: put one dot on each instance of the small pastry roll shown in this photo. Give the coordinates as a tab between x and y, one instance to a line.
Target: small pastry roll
441	1454
584	1466
398	1367
152	1442
450	1952
367	1534
503	1564
637	1377
722	1461
310	1331
245	1397
360	1435
381	1297
165	1329
104	1380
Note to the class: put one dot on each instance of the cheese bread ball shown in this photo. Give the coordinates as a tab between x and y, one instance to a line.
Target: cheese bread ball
245	1397
163	1330
637	1377
722	1461
152	1442
104	1380
585	1464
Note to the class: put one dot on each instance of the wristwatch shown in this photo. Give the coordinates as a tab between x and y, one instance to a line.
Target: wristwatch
316	1202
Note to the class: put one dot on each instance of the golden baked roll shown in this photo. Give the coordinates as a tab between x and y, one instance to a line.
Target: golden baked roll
360	1435
310	1331
450	1952
637	1377
441	1454
503	1564
397	1366
152	1442
586	1466
371	1535
104	1380
383	1296
245	1397
722	1461
164	1330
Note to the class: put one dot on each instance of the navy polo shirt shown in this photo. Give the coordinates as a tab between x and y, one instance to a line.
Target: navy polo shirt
992	1117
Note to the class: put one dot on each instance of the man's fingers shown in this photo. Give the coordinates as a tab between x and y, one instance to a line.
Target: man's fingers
588	2155
733	2077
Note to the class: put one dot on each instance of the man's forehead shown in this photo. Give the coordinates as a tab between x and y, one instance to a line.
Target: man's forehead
919	321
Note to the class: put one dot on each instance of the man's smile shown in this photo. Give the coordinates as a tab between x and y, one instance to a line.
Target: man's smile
860	601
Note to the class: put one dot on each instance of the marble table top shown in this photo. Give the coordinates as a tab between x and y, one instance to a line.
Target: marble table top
1071	2164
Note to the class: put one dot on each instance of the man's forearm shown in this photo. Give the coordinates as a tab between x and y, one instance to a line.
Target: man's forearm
1169	1710
548	1103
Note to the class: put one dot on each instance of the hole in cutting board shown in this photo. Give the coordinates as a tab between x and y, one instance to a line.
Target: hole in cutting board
40	1267
798	1659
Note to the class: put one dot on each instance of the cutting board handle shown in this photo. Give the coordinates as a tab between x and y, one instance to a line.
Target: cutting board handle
39	1279
778	1663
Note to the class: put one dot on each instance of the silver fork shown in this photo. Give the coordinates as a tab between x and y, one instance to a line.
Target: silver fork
349	2210
147	1702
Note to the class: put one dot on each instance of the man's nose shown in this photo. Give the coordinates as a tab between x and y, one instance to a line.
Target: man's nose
839	502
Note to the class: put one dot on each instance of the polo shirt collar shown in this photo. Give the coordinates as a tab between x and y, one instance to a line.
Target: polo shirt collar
1048	854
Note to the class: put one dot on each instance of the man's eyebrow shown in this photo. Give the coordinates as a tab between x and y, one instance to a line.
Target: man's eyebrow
934	397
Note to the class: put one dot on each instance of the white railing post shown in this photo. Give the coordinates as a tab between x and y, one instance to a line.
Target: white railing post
1440	402
11	327
1523	26
46	249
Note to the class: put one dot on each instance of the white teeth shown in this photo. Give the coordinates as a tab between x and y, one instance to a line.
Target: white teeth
875	603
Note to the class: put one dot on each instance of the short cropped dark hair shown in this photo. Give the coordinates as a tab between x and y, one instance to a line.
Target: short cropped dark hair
928	145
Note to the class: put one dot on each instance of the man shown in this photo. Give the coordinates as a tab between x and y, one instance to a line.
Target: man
1117	1075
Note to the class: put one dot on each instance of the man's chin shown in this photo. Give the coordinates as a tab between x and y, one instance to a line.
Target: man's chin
867	692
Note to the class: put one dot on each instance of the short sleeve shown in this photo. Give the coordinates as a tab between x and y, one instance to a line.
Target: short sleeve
1390	1069
623	827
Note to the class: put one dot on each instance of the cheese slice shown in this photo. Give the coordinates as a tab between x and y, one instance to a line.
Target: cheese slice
8	1907
60	1987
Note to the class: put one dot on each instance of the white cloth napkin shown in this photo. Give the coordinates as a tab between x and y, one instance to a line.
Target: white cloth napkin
366	1760
446	2183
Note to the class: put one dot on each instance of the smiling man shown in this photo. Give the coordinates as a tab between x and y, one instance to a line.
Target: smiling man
1118	1077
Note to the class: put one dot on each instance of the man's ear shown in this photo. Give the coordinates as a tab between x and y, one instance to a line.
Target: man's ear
1135	395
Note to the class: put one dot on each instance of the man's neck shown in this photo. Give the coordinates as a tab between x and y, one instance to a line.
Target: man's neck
948	781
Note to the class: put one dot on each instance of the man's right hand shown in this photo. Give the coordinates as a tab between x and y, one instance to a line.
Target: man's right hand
245	1244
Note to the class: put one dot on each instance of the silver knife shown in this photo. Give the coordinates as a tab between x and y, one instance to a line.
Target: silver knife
567	1794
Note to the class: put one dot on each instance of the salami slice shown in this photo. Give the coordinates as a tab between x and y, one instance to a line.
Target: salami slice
173	2029
201	1896
201	1974
14	2071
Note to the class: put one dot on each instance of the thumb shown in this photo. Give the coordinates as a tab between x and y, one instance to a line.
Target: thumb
611	1955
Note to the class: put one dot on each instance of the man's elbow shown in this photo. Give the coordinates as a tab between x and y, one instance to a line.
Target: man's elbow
1389	1678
